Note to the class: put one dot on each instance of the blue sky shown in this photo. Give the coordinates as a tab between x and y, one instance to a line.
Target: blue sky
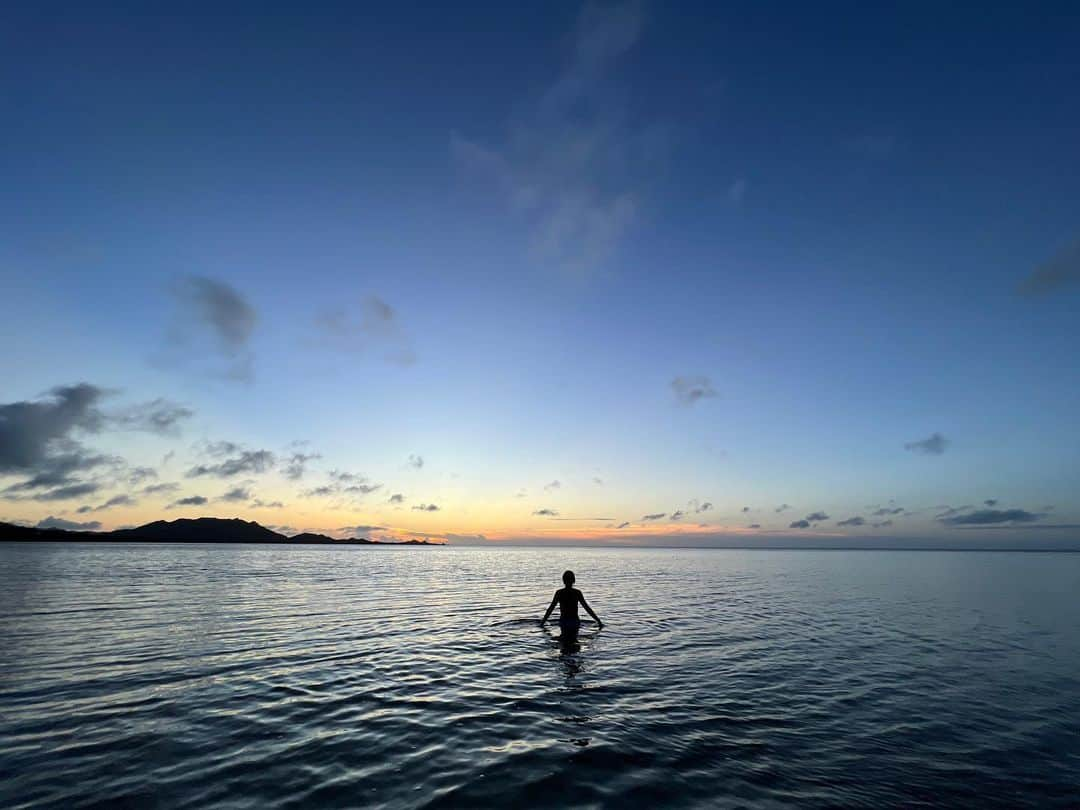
513	241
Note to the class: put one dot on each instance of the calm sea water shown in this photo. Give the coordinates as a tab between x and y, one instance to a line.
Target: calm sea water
261	676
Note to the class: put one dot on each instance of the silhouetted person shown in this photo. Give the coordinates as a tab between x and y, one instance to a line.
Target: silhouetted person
567	599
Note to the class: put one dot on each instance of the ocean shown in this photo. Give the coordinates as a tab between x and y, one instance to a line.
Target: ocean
196	676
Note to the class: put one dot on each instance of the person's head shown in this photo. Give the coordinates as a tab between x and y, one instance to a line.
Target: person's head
568	578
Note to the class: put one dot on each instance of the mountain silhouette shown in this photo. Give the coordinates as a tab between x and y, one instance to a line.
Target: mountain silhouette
194	530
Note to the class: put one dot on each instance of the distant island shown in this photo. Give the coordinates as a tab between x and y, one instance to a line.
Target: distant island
196	530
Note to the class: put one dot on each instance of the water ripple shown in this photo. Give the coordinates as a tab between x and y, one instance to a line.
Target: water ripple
240	676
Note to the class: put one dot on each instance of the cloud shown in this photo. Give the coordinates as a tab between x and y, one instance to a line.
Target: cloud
754	526
260	504
296	465
933	445
344	483
745	509
689	390
677	515
782	508
654	516
36	438
623	525
817	517
67	492
885	510
546	513
552	486
881	524
1058	273
984	517
426	507
246	461
115	500
573	167
397	497
28	430
237	494
416	462
598	480
139	474
697	507
213	319
991	502
192	500
158	416
799	524
52	522
160	489
949	511
852	521
372	325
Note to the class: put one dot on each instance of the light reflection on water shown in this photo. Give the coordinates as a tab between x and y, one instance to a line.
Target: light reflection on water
193	676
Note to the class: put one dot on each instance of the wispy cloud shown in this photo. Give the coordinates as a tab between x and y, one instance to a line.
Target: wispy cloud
690	390
546	513
345	485
1058	273
373	325
296	465
426	507
245	461
933	445
984	517
799	524
191	500
115	500
237	494
213	320
654	516
852	521
573	165
397	497
416	462
553	485
157	416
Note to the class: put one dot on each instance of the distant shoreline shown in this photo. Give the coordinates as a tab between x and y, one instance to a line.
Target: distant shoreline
95	537
186	530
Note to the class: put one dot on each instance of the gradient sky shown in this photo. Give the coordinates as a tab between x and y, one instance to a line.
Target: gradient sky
805	268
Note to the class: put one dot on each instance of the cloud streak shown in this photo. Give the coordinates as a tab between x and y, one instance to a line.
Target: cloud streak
572	165
986	517
373	325
691	390
212	319
933	445
1058	273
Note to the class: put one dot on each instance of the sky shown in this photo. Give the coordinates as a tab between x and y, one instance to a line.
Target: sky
625	273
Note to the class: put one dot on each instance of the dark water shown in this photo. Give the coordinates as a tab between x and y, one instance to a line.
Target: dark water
247	676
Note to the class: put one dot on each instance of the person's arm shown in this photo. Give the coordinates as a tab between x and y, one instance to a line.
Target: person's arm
551	607
585	605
